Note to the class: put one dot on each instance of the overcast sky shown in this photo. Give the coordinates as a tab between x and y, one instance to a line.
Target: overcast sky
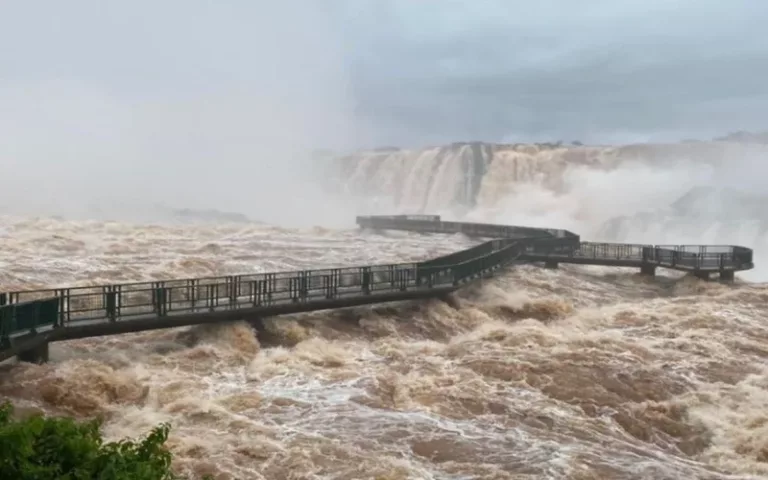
398	71
133	92
594	69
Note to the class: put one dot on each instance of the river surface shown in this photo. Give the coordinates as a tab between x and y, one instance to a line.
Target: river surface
578	373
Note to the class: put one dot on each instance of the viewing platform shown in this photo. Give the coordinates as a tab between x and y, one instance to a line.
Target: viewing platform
701	260
30	320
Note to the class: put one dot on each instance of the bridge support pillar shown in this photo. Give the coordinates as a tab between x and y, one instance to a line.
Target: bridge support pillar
727	276
550	264
649	270
264	336
257	324
701	275
38	354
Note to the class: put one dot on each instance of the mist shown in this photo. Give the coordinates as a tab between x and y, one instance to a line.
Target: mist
640	196
114	109
120	110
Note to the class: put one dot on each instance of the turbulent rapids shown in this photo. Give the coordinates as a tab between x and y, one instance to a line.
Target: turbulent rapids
32	319
581	372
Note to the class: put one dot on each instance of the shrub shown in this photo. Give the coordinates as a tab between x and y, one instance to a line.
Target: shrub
42	448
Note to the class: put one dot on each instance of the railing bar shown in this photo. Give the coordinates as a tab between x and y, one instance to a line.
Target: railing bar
172	296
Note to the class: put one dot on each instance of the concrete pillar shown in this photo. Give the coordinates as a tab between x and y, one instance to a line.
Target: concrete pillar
727	275
647	269
38	354
703	275
550	264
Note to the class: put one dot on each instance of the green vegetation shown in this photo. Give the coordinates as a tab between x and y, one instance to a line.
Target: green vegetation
43	448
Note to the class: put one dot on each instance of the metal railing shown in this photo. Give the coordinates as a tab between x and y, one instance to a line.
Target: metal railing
111	303
204	294
693	257
28	312
541	243
28	316
433	224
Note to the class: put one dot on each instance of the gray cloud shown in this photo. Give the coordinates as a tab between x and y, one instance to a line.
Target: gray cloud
216	104
486	70
182	103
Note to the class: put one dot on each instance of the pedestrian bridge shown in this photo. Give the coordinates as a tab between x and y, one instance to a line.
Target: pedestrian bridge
30	320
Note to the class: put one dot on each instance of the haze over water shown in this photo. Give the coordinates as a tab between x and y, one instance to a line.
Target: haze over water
581	372
115	117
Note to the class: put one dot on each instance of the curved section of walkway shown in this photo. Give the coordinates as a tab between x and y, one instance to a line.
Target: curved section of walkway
29	320
553	246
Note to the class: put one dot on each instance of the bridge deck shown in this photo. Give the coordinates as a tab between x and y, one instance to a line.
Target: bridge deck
242	308
687	258
31	319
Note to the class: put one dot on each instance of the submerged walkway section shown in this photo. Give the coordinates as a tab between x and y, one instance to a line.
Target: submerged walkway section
30	320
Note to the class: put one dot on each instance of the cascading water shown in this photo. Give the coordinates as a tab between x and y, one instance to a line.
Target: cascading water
579	373
471	176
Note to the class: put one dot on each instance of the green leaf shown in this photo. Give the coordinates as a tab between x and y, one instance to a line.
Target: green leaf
51	448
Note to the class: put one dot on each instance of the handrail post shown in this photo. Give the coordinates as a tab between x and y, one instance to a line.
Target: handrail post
63	294
256	292
233	290
110	303
304	286
192	286
159	297
366	280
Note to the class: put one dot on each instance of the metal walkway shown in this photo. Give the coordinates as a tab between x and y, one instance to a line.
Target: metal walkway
29	320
